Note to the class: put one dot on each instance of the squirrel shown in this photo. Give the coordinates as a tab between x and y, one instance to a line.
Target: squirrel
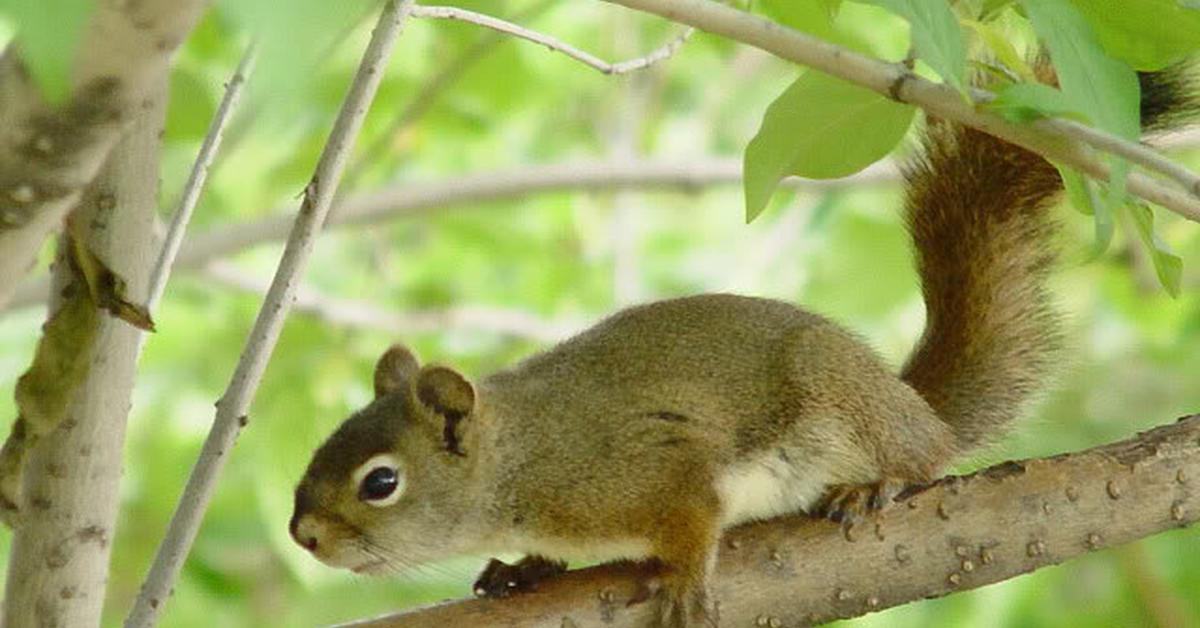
647	435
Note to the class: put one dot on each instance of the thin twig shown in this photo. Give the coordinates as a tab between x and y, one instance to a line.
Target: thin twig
235	403
1045	137
354	313
195	182
1138	154
409	200
423	101
587	58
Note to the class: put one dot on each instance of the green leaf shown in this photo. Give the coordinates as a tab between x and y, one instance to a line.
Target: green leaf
1081	192
1023	102
1167	265
1146	34
1077	187
936	36
809	16
992	8
822	128
1104	89
48	33
190	106
815	17
1000	47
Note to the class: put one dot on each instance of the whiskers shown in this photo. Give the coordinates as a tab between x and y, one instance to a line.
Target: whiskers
391	562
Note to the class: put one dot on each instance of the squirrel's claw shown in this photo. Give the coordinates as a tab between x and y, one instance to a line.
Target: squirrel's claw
849	504
500	579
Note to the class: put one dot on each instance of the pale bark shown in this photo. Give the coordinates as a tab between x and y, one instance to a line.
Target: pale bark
959	533
234	404
59	564
48	154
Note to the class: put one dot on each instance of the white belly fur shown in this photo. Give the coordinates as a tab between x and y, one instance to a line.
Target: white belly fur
767	486
606	550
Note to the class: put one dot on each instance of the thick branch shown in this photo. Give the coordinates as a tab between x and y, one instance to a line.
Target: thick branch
1055	139
235	403
959	533
48	154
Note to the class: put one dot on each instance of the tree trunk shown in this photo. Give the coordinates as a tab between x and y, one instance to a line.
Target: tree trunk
60	552
48	154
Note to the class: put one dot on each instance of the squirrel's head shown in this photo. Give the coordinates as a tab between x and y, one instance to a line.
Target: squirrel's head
388	489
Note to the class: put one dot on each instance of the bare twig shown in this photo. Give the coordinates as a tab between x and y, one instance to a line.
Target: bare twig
958	534
234	404
1050	138
409	200
494	23
195	182
431	90
1138	154
354	313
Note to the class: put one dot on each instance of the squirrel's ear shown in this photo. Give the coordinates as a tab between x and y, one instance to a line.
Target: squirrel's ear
395	370
445	391
449	394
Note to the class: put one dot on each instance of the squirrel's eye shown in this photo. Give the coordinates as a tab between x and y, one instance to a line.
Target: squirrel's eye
379	484
379	481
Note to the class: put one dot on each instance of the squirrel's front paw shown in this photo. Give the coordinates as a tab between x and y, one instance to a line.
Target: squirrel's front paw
501	579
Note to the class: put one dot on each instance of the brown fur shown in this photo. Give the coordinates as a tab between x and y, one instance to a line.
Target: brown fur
643	436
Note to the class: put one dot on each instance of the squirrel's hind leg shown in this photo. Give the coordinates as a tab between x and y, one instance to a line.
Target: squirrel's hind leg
688	549
849	504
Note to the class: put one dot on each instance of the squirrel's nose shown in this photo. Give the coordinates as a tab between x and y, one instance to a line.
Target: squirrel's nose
301	533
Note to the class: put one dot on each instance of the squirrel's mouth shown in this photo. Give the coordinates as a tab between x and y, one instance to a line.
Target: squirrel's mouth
369	567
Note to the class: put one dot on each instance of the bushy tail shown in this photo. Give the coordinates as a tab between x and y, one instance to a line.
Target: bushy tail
977	210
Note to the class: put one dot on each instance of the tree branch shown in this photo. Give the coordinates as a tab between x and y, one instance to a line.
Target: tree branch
956	534
413	200
487	21
235	403
1055	139
48	154
363	314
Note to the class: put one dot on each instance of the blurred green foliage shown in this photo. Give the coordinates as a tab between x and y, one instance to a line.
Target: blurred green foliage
1135	351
